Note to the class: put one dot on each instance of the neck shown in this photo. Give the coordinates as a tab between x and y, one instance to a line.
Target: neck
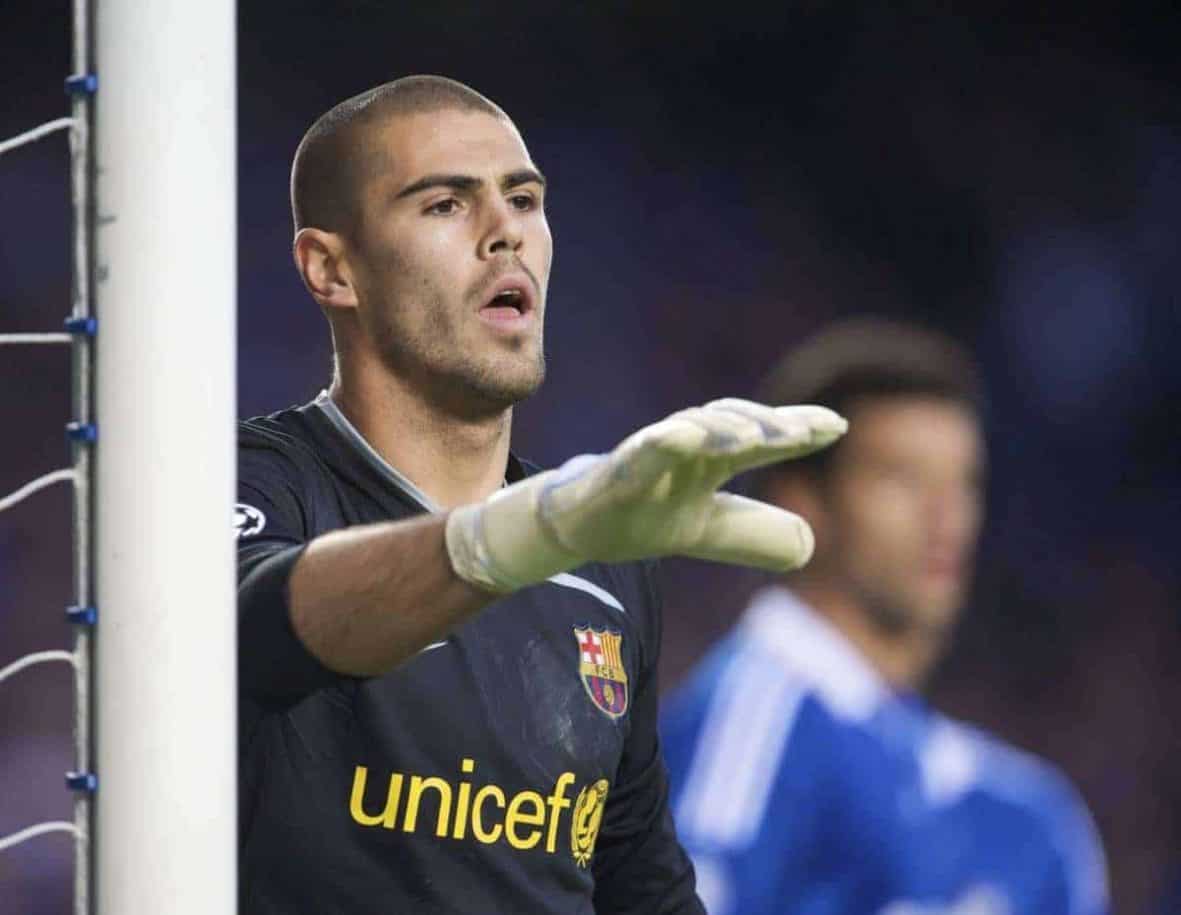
453	460
902	658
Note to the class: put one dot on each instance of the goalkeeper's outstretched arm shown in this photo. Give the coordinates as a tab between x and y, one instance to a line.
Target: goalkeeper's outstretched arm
360	612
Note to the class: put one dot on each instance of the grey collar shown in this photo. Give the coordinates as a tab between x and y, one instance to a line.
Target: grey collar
380	464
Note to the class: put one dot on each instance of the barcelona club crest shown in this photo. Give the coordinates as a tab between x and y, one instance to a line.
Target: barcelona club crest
600	665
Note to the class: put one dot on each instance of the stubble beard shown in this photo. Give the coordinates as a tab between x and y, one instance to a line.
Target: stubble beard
491	386
454	376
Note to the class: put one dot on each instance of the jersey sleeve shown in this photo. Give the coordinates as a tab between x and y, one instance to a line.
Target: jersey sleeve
639	865
750	760
272	530
1078	885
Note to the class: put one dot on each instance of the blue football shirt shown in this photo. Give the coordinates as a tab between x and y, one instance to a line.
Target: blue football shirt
803	784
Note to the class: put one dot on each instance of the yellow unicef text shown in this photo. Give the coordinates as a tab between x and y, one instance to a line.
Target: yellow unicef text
488	814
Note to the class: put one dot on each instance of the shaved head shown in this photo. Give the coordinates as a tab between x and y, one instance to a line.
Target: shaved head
337	154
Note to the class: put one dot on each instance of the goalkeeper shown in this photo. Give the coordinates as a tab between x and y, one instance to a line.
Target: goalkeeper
447	660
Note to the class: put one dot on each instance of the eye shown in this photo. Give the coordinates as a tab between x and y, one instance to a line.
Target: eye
523	202
443	207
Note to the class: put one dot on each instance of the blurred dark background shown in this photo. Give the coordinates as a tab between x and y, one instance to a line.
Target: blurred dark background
723	181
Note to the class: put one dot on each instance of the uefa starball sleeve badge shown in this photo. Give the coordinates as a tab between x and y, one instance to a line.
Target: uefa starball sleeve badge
600	665
248	521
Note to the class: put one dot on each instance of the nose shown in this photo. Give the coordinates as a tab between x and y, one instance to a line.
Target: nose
503	234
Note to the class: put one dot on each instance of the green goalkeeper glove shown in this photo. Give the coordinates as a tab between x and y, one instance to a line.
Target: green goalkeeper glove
654	495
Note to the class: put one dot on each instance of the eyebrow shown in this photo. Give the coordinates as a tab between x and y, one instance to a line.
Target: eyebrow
521	176
470	183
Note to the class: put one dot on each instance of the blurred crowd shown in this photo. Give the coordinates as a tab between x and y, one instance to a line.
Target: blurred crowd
721	185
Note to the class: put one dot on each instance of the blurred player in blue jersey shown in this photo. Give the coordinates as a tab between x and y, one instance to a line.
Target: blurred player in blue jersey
808	774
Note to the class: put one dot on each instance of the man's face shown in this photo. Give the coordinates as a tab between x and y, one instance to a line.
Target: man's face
904	508
452	258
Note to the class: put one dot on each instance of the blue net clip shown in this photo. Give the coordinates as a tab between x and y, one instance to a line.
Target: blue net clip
82	432
82	781
82	616
83	327
82	84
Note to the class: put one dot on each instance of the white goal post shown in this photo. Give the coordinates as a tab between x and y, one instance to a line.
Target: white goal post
165	288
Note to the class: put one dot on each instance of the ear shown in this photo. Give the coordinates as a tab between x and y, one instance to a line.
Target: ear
321	262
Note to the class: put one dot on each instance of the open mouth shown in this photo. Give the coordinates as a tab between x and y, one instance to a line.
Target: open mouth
510	303
512	299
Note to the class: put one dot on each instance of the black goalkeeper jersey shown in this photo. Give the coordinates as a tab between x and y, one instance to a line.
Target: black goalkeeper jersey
511	768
